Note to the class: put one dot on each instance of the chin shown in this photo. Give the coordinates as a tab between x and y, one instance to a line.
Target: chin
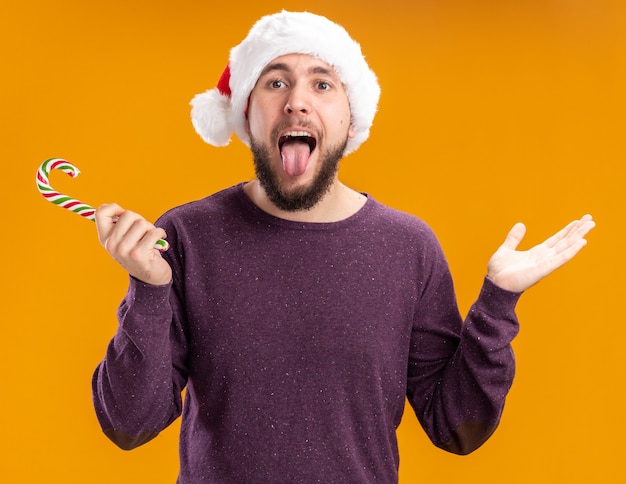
299	193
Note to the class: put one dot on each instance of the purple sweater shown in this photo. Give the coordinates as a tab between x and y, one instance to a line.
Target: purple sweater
298	345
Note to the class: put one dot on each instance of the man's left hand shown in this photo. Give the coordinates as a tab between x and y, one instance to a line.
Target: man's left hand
516	271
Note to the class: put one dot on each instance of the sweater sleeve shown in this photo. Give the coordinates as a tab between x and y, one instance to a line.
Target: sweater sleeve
460	372
137	386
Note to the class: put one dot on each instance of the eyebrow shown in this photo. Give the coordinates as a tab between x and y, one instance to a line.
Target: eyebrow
279	66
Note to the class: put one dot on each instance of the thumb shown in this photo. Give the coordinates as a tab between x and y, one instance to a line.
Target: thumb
515	236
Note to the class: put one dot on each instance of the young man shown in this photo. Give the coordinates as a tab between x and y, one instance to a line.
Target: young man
298	313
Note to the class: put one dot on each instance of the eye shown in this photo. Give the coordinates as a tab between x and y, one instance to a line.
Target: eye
323	86
276	84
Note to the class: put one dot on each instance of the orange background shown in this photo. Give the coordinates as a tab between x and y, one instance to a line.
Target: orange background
491	112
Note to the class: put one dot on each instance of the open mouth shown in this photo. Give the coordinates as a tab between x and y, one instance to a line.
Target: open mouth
296	147
297	137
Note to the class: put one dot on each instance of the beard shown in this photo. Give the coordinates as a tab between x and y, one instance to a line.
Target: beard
302	198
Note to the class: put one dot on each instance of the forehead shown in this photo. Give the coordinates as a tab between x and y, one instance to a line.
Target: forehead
300	64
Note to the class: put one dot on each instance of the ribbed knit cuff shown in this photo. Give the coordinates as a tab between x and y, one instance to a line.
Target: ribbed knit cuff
148	299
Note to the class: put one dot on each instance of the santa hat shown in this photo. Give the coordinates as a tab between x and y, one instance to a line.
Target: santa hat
219	112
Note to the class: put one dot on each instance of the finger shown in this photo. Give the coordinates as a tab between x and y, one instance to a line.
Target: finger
105	218
142	235
582	229
571	233
567	253
515	236
149	241
130	228
138	237
560	235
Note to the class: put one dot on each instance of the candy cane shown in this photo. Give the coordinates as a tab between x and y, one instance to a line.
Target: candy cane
67	202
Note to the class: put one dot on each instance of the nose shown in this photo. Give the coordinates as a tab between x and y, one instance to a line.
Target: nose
298	101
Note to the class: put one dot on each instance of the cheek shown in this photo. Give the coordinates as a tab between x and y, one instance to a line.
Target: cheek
258	119
252	123
346	120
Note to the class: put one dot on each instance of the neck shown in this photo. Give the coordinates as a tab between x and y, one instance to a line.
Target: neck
338	204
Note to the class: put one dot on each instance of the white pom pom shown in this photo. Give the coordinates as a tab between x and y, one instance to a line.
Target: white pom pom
211	117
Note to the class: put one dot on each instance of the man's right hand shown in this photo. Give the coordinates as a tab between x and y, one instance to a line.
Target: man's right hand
130	240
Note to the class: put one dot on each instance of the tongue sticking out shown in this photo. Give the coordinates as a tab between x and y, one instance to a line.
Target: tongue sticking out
295	155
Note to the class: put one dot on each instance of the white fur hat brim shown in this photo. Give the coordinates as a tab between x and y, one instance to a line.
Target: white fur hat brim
217	113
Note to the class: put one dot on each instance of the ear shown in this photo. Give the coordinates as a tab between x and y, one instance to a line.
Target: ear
351	132
245	114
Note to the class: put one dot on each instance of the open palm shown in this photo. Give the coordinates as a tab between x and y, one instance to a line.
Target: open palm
516	270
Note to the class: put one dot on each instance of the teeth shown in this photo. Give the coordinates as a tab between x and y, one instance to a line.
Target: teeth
303	135
297	133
